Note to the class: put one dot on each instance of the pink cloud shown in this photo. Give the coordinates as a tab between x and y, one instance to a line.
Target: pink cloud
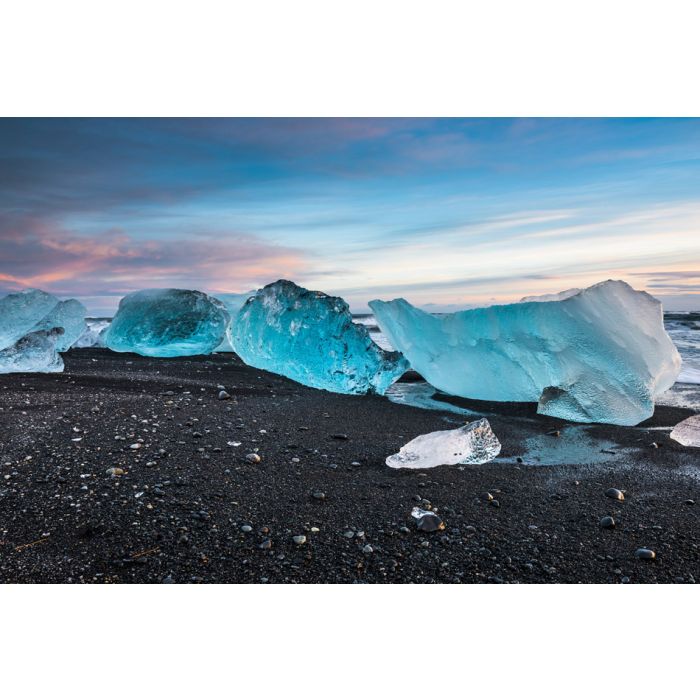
38	254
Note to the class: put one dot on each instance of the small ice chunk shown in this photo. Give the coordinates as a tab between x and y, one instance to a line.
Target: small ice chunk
474	443
687	432
35	352
93	335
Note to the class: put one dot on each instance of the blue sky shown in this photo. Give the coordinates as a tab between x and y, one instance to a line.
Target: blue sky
447	213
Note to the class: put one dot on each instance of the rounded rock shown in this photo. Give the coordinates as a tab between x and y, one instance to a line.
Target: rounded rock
646	554
616	494
299	539
253	458
607	522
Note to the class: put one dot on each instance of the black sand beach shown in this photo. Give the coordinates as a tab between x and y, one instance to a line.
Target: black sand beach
186	506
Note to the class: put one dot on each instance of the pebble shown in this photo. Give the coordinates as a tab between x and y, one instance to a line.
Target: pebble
690	502
495	503
349	534
367	549
115	471
319	495
486	496
246	528
644	553
339	436
265	544
253	458
299	539
135	446
607	522
616	494
430	523
223	395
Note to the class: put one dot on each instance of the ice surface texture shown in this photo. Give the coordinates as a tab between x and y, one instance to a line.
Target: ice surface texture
474	443
33	310
167	323
600	355
69	315
687	432
233	303
93	336
310	338
34	352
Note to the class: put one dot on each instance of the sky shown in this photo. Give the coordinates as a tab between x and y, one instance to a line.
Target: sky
447	213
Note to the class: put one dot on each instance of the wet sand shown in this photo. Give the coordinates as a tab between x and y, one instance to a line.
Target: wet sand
189	507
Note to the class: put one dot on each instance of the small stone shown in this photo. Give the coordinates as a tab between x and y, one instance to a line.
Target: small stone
367	549
339	436
253	458
625	579
168	579
616	494
430	522
223	395
607	522
495	503
115	471
265	544
553	433
349	534
319	495
644	553
486	496
690	502
135	446
246	528
299	539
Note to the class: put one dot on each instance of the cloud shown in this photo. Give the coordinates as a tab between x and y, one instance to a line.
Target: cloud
37	253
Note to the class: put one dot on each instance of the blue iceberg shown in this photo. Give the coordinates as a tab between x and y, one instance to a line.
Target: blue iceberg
34	352
93	335
167	323
597	355
310	338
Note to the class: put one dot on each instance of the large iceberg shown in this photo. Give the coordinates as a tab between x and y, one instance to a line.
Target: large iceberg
597	355
167	323
34	352
310	337
69	315
473	443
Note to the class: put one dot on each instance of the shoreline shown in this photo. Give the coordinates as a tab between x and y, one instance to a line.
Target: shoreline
202	513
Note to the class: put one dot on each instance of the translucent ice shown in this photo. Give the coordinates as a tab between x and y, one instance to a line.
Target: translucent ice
167	323
687	432
473	443
93	335
35	352
21	311
233	303
69	315
310	337
597	355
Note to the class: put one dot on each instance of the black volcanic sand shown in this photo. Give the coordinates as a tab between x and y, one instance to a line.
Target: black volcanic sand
182	507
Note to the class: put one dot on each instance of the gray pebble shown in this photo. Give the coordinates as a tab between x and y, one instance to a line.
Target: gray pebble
616	494
607	521
644	553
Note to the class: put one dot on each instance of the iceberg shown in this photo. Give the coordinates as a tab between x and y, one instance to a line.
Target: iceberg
21	311
687	432
69	315
310	337
473	443
598	355
34	352
167	323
